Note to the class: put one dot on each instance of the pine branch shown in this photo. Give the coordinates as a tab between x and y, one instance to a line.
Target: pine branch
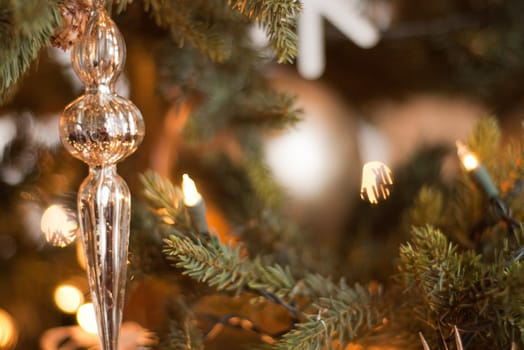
161	192
342	312
120	5
185	336
485	141
262	181
266	231
429	265
278	18
433	266
166	200
428	208
269	109
225	268
511	299
186	23
345	314
475	220
25	27
446	287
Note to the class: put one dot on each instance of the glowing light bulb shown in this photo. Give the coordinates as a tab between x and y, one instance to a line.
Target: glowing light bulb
86	318
376	182
191	195
476	171
8	331
195	206
59	226
68	298
467	158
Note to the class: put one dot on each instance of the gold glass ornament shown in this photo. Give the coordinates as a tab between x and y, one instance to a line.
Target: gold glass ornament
102	128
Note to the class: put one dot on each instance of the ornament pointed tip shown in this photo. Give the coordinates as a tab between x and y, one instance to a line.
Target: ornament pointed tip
458	340
425	344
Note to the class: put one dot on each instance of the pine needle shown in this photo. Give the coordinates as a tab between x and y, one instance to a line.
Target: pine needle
25	27
278	18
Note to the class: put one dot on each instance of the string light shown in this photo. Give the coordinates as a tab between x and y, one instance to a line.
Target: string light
467	158
86	318
59	226
376	182
194	203
476	170
68	298
191	195
8	331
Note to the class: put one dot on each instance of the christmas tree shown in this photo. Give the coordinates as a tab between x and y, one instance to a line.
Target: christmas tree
267	262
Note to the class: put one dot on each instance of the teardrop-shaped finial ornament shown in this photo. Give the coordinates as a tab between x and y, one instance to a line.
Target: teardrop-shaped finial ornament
102	128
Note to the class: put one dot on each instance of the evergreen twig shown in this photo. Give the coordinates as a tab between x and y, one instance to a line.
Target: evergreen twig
448	287
343	312
344	315
184	20
278	18
183	336
338	311
25	27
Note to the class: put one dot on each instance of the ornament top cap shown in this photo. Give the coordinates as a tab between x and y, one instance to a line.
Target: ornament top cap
99	57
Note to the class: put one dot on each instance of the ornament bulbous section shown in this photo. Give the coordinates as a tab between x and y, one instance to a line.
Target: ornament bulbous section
101	128
99	57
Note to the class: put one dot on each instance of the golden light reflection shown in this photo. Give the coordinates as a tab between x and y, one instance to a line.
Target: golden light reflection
191	195
376	182
86	318
8	331
68	298
59	226
80	255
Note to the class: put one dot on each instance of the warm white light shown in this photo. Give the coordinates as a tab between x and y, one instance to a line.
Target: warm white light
191	195
467	158
376	182
470	162
68	298
86	318
59	226
8	331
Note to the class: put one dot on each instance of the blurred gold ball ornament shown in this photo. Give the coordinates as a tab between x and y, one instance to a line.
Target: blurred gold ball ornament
59	225
376	182
8	331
